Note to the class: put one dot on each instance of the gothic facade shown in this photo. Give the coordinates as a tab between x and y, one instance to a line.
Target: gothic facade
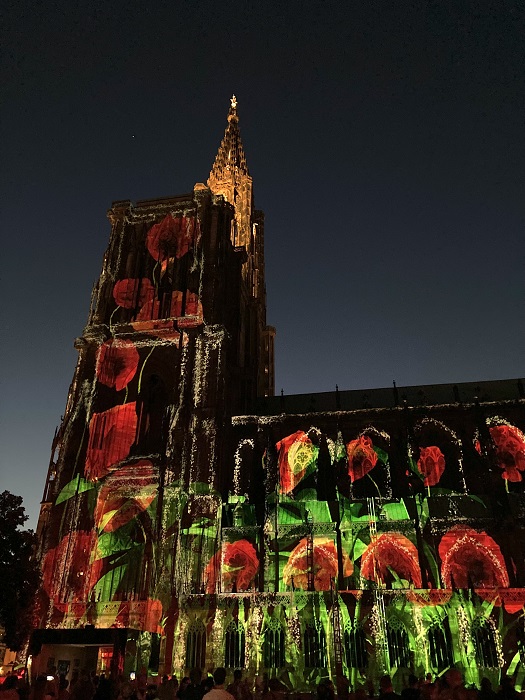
193	519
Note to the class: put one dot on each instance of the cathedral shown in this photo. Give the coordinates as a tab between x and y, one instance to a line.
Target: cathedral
191	518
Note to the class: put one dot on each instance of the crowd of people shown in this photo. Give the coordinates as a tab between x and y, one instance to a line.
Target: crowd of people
88	686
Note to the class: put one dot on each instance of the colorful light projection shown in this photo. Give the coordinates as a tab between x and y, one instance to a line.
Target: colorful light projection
111	435
510	450
169	243
321	565
236	563
431	465
368	465
379	555
172	237
297	459
471	559
391	557
114	482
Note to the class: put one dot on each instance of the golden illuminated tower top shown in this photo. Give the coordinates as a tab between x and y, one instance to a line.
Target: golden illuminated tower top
229	176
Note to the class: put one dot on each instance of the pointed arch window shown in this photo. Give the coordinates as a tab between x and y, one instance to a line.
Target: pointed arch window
196	645
398	643
355	647
273	645
235	644
440	646
484	644
314	641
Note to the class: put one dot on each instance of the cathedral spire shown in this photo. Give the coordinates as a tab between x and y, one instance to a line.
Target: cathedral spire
230	161
229	177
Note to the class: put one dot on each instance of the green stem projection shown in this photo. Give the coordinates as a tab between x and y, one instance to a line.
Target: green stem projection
155	282
142	369
377	487
111	318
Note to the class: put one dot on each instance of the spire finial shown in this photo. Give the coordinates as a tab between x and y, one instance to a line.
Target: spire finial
233	101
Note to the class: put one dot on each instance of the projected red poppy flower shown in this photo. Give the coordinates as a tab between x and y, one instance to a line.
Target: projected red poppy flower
325	567
111	435
431	464
172	237
125	493
361	457
238	563
132	293
389	556
471	559
117	363
297	457
69	572
510	450
173	307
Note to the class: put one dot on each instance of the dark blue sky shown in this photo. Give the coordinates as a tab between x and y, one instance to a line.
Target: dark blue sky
386	143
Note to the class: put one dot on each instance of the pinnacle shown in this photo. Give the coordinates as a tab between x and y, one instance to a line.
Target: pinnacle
230	161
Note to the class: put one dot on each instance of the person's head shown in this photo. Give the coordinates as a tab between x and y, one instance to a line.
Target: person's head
385	684
412	680
63	683
195	676
208	683
237	674
219	675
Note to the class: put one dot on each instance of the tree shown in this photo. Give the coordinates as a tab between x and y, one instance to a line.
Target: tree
19	572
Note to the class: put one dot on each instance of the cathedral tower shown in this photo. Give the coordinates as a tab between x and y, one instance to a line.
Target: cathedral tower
176	344
230	178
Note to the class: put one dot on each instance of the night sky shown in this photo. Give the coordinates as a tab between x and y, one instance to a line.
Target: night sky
386	144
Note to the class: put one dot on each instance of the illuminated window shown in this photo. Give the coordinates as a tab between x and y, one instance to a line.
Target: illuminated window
398	643
355	647
234	646
484	644
105	655
315	647
196	645
273	645
440	646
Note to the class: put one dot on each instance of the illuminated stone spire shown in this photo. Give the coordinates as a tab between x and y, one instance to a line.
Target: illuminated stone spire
229	176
